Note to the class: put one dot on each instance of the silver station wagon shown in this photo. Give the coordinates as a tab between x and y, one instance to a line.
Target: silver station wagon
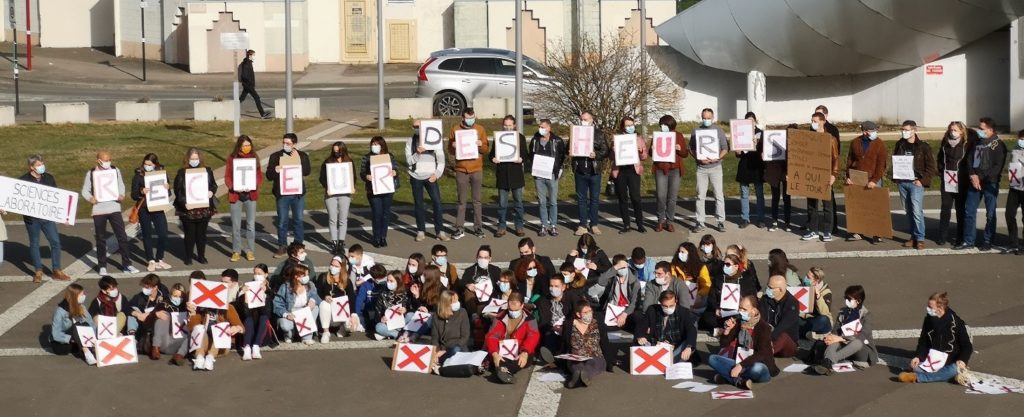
454	77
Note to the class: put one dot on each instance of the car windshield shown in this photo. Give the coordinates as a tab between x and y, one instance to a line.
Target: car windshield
536	66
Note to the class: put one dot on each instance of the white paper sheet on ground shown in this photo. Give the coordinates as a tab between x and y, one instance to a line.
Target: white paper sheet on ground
551	377
221	338
687	384
681	370
796	368
987	387
419	320
843	367
619	336
572	358
732	395
703	388
395	320
467	358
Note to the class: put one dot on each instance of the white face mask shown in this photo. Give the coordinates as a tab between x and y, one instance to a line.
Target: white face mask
707	249
556	292
906	134
456	306
193	163
664	128
392	286
304	280
259	278
301	256
660	280
532	272
682	256
851	303
413	269
81	298
729	270
147	291
375	149
113	293
567	278
668	311
515	313
148	168
483	263
105	165
335	270
287	148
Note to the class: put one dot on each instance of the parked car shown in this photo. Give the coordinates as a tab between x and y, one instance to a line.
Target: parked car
454	77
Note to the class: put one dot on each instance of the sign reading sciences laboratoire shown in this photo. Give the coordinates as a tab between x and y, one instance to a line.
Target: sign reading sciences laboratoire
40	201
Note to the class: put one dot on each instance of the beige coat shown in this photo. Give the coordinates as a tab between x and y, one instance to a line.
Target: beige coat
3	230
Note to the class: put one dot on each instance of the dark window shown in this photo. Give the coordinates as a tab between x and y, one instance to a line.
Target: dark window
506	67
478	65
450	65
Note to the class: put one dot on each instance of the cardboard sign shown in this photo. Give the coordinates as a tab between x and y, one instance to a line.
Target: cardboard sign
412	358
867	211
730	297
179	323
380	172
543	167
104	185
483	288
852	328
208	294
707	145
305	324
509	349
495	305
86	336
1016	175
431	137
36	200
934	361
743	353
221	338
581	141
858	177
394	319
116	351
663	147
159	197
340	309
649	360
465	145
197	188
903	167
419	321
506	146
106	327
732	395
243	174
340	178
255	297
612	314
951	181
741	132
774	148
810	164
803	298
625	148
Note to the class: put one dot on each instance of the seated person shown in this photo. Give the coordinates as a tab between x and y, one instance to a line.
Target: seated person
584	337
295	293
391	294
450	333
944	331
110	302
751	334
146	308
641	265
68	315
333	284
255	319
163	339
666	322
296	256
366	295
818	322
839	346
662	281
514	323
553	311
201	321
781	311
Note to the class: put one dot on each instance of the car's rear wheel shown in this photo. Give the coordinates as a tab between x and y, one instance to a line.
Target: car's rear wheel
449	103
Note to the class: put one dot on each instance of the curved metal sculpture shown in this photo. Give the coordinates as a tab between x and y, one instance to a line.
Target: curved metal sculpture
793	38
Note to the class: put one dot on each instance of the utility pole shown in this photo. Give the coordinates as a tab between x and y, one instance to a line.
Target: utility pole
142	13
380	65
28	32
519	65
289	121
643	67
14	30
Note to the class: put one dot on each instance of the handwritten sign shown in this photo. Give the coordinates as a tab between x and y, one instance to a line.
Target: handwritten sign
810	164
867	211
741	132
1016	176
707	144
380	172
159	197
951	181
430	135
581	140
243	174
543	167
290	178
626	152
903	167
506	146
35	200
466	144
340	178
774	145
663	147
197	188
104	185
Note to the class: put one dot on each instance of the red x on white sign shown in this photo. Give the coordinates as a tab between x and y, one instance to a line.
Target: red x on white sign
116	351
339	307
732	395
649	360
509	348
803	298
852	328
412	358
934	361
209	294
730	296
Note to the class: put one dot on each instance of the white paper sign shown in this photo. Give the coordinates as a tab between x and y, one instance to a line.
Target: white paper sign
506	146
179	324
36	200
579	263
290	180
221	338
495	305
742	134
903	167
934	361
509	348
681	370
613	313
581	141
465	144
774	148
852	328
106	327
430	135
743	353
649	360
197	188
395	319
483	288
951	181
1015	175
626	152
305	324
572	358
426	167
159	197
255	297
803	298
707	144
86	336
116	351
380	172
412	358
732	395
419	321
104	185
340	178
340	309
243	174
543	167
195	338
730	296
843	367
663	147
466	358
208	294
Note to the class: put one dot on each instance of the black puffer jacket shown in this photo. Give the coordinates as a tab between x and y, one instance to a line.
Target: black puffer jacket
945	334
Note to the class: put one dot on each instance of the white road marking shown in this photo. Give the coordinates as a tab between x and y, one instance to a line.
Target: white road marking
541	398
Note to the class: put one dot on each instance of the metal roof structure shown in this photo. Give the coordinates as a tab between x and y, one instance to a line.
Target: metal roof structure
794	38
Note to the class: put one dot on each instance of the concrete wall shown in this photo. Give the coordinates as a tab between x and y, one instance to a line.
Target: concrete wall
1017	75
323	31
75	24
265	24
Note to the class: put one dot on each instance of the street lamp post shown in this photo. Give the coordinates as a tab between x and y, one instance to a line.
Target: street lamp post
643	67
289	122
380	65
142	13
519	65
14	29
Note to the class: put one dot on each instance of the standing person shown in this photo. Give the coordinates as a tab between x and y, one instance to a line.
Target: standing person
245	200
108	212
750	172
247	77
421	176
469	175
509	179
667	176
709	172
150	222
1014	200
380	204
943	330
194	221
587	172
952	161
337	204
985	162
869	155
775	174
815	228
834	131
912	191
295	203
547	143
37	174
627	179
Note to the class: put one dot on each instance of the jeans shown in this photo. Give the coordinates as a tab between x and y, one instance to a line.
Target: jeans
250	226
195	237
49	229
944	374
678	351
287	326
666	187
434	191
989	190
713	177
382	328
1014	201
380	206
814	219
99	222
255	329
153	222
467	184
547	199
757	372
779	190
745	201
952	201
816	324
517	198
588	196
627	189
295	203
912	197
337	215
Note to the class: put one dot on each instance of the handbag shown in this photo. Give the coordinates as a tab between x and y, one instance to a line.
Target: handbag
133	218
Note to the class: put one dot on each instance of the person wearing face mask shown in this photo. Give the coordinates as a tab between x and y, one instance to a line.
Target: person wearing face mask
820	225
952	162
439	257
426	297
839	345
481	270
733	273
469	175
426	168
575	282
867	154
414	269
296	293
503	287
147	307
778	264
584	337
1015	196
709	172
516	324
242	197
587	171
195	221
627	179
546	143
912	191
163	339
450	333
749	271
295	203
661	281
333	284
256	319
297	255
380	204
201	321
587	258
817	323
667	176
750	173
392	293
510	180
528	252
641	264
531	280
373	284
617	286
748	331
687	268
555	312
69	314
108	212
782	311
710	254
151	223
945	331
665	322
109	302
337	204
831	129
985	162
34	226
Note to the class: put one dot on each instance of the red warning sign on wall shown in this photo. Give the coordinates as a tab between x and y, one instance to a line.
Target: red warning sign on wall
933	69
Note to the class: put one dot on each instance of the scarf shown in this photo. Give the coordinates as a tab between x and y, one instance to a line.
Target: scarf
108	305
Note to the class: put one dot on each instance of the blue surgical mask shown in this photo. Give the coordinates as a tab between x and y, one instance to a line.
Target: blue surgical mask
41	169
456	306
532	272
1020	143
806	281
729	270
304	280
193	163
176	301
744	316
504	286
81	298
335	270
441	260
630	129
556	292
815	125
664	128
470	121
352	260
982	134
147	291
622	271
515	313
148	168
392	286
872	135
287	149
906	134
542	131
705	122
931	312
769	292
567	278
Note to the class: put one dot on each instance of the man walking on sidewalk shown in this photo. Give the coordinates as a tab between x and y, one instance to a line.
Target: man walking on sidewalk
247	77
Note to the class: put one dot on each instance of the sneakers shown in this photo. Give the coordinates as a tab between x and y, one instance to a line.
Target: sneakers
266	115
815	336
249	256
853	238
165	265
744	224
103	271
595	230
378	336
151	266
824	368
720	227
698	228
209	362
287	339
459	234
131	269
247	353
773	227
326	337
307	342
827	237
744	383
718	379
542	232
546	355
38	277
443	237
580	231
256	352
199	363
235	257
479	232
420	236
809	236
281	252
505	377
341	332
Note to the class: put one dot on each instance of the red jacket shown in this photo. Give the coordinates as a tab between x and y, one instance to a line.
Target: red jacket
229	180
526	334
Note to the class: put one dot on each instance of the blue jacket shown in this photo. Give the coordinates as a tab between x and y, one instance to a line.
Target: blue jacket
284	299
365	296
648	266
62	322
